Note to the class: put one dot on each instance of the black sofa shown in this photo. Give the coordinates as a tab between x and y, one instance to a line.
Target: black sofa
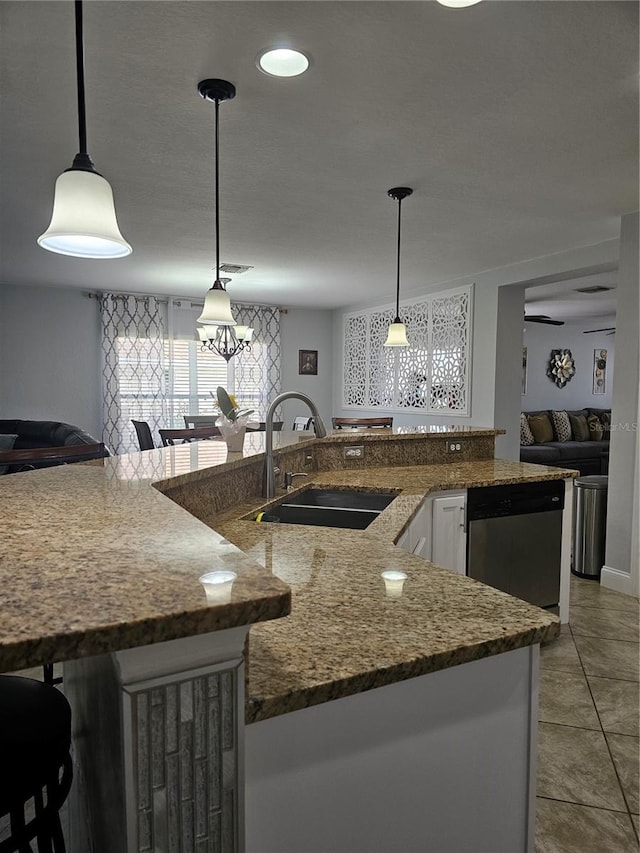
32	435
588	457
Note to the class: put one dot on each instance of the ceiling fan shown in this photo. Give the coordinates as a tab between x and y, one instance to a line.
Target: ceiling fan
542	318
611	330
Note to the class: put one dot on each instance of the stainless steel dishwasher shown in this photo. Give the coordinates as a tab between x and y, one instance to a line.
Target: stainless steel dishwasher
514	538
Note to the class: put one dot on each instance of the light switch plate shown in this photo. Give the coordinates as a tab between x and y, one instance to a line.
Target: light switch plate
454	446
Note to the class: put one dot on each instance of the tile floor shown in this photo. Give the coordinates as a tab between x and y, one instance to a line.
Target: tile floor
588	749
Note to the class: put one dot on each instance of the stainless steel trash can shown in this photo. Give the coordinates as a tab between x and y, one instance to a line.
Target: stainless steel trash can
589	525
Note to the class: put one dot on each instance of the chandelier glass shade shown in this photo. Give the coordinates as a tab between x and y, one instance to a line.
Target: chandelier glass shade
397	334
83	223
220	334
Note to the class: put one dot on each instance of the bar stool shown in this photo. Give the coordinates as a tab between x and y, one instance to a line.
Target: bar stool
35	763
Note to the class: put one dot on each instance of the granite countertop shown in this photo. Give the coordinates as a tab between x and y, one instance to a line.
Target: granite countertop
344	635
94	559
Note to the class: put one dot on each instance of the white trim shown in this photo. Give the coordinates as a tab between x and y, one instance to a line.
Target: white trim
611	578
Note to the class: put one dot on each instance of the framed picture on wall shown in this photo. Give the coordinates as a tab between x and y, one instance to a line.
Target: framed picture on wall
524	370
308	362
599	371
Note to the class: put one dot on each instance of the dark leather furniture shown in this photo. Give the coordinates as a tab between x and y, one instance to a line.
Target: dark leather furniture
34	435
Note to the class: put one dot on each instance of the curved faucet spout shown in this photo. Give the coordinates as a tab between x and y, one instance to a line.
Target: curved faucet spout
319	427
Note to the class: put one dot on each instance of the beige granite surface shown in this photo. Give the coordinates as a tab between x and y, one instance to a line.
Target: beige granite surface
97	558
344	635
93	559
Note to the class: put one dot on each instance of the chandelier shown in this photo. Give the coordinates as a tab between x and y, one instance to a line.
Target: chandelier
220	332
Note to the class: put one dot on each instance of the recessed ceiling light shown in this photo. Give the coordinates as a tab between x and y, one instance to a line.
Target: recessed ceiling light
458	4
282	62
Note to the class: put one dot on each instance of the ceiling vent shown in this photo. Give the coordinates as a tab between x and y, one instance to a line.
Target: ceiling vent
234	269
595	288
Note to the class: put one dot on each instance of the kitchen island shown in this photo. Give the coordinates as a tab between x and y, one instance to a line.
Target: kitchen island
124	562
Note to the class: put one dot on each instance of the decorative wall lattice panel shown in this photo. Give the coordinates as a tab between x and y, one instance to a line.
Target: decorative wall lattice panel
432	375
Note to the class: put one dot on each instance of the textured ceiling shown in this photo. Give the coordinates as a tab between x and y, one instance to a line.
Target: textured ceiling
516	123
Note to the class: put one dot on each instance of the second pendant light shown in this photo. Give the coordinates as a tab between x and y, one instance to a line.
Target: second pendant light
397	335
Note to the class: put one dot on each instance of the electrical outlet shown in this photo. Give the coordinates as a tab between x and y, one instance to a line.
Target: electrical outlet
454	446
354	451
308	459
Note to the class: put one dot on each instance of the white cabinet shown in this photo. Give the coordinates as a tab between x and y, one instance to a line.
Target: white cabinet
437	531
449	537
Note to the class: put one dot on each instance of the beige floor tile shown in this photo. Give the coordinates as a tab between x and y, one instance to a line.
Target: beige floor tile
574	765
568	828
560	654
617	703
626	757
565	698
636	822
609	658
612	624
588	593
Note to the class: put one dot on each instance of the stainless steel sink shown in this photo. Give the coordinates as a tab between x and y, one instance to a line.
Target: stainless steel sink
329	508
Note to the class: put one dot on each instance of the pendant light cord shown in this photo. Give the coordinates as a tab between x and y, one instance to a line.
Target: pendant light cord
217	180
397	320
82	115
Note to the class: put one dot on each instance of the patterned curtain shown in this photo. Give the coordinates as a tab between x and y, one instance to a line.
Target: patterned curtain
134	380
256	374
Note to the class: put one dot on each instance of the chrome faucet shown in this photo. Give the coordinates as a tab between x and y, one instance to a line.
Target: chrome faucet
319	427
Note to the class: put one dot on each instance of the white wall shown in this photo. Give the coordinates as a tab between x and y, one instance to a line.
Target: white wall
307	329
50	356
542	393
487	328
51	360
621	570
508	382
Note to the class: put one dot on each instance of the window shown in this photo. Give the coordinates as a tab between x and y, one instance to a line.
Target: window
431	375
154	370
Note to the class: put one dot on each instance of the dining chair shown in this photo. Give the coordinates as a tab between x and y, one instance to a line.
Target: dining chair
358	423
143	431
200	420
31	458
301	423
170	437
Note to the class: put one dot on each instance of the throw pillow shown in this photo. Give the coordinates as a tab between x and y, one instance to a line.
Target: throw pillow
540	426
526	436
579	427
6	443
595	428
562	426
605	420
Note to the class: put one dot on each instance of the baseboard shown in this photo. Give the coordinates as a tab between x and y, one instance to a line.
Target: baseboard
616	580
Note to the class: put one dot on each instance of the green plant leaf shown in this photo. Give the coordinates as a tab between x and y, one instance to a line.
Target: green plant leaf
226	406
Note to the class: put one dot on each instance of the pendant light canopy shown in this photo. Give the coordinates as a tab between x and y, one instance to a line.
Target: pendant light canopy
83	224
218	333
397	335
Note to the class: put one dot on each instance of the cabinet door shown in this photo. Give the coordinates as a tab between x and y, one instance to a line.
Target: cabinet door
449	543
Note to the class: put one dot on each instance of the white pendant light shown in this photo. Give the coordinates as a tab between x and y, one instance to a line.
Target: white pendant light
397	335
83	223
219	335
217	306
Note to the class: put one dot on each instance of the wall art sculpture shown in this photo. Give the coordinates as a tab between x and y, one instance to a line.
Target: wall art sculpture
561	367
599	371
